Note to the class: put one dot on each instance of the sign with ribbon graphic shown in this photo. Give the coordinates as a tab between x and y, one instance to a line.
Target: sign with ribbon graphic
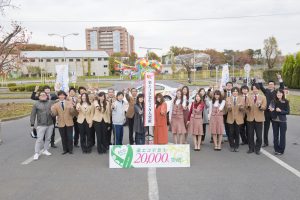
144	156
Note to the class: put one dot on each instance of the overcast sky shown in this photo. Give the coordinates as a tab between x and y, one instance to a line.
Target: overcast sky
237	34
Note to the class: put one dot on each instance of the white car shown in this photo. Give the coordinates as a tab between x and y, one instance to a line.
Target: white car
167	92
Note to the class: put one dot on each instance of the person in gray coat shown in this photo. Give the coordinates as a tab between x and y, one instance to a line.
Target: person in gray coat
41	112
139	128
207	102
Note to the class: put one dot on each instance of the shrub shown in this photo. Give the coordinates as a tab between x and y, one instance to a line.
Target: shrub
270	74
11	84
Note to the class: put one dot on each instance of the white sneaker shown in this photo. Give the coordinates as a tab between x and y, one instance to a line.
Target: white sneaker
36	156
47	153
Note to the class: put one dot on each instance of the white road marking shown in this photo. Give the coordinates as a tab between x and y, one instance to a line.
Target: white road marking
280	162
29	160
152	184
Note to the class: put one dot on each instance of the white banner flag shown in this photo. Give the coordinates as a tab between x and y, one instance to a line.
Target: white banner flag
225	75
149	87
62	79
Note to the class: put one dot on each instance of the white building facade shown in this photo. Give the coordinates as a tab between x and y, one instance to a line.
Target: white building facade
79	62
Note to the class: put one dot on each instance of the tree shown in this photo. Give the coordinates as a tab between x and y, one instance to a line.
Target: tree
10	41
216	57
271	51
40	47
296	73
180	50
132	58
153	56
288	70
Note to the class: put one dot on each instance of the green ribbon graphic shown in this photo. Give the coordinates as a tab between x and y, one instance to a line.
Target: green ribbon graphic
124	163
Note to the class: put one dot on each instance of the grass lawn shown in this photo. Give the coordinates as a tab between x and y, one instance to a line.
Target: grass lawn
12	110
294	104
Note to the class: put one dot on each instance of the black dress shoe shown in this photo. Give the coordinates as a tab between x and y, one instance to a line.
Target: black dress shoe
65	152
249	151
53	146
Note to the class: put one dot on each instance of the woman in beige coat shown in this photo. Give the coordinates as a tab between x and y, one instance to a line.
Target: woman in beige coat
84	119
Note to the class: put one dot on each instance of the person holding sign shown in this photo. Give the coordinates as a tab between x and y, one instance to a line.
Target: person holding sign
280	108
177	118
216	121
118	117
255	118
101	119
195	121
65	112
161	127
84	120
139	128
235	118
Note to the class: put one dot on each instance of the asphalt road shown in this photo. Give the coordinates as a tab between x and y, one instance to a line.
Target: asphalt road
212	175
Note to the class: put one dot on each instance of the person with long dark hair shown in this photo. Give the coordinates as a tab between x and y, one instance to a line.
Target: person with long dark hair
279	108
161	127
195	121
101	119
139	127
185	104
207	101
84	119
177	119
216	121
130	113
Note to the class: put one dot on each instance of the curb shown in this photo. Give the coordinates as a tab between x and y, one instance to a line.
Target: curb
14	118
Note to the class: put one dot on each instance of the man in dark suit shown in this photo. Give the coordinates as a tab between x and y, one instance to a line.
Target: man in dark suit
270	94
51	97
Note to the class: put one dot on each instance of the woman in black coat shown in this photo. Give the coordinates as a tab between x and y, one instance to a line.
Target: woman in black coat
279	108
139	128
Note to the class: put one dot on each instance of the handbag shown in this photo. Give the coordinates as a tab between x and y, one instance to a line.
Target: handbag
33	133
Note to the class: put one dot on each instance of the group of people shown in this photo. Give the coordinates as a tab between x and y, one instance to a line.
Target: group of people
93	117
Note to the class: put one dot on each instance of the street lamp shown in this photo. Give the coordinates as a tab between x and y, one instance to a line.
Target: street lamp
63	39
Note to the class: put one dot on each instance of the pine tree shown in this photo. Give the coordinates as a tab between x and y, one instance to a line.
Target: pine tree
288	69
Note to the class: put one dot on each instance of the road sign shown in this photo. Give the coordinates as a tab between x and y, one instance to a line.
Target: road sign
247	68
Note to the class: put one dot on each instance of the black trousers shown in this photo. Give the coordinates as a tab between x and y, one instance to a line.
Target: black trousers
255	128
279	134
101	132
204	132
66	134
76	130
234	135
227	129
93	136
85	136
267	123
53	132
109	132
244	132
130	126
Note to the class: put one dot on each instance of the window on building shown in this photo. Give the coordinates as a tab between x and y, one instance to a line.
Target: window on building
92	60
105	66
85	59
77	59
62	60
105	58
48	60
104	73
70	60
99	59
41	60
55	60
25	60
94	74
32	60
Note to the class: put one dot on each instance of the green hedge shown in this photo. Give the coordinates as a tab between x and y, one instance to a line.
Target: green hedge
270	74
31	87
11	84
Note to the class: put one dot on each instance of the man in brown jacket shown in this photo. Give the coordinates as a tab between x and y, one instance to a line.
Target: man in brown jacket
130	113
257	104
235	118
64	110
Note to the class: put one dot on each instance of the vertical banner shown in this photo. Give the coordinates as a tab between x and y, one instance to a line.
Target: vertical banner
225	75
247	69
62	78
149	91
